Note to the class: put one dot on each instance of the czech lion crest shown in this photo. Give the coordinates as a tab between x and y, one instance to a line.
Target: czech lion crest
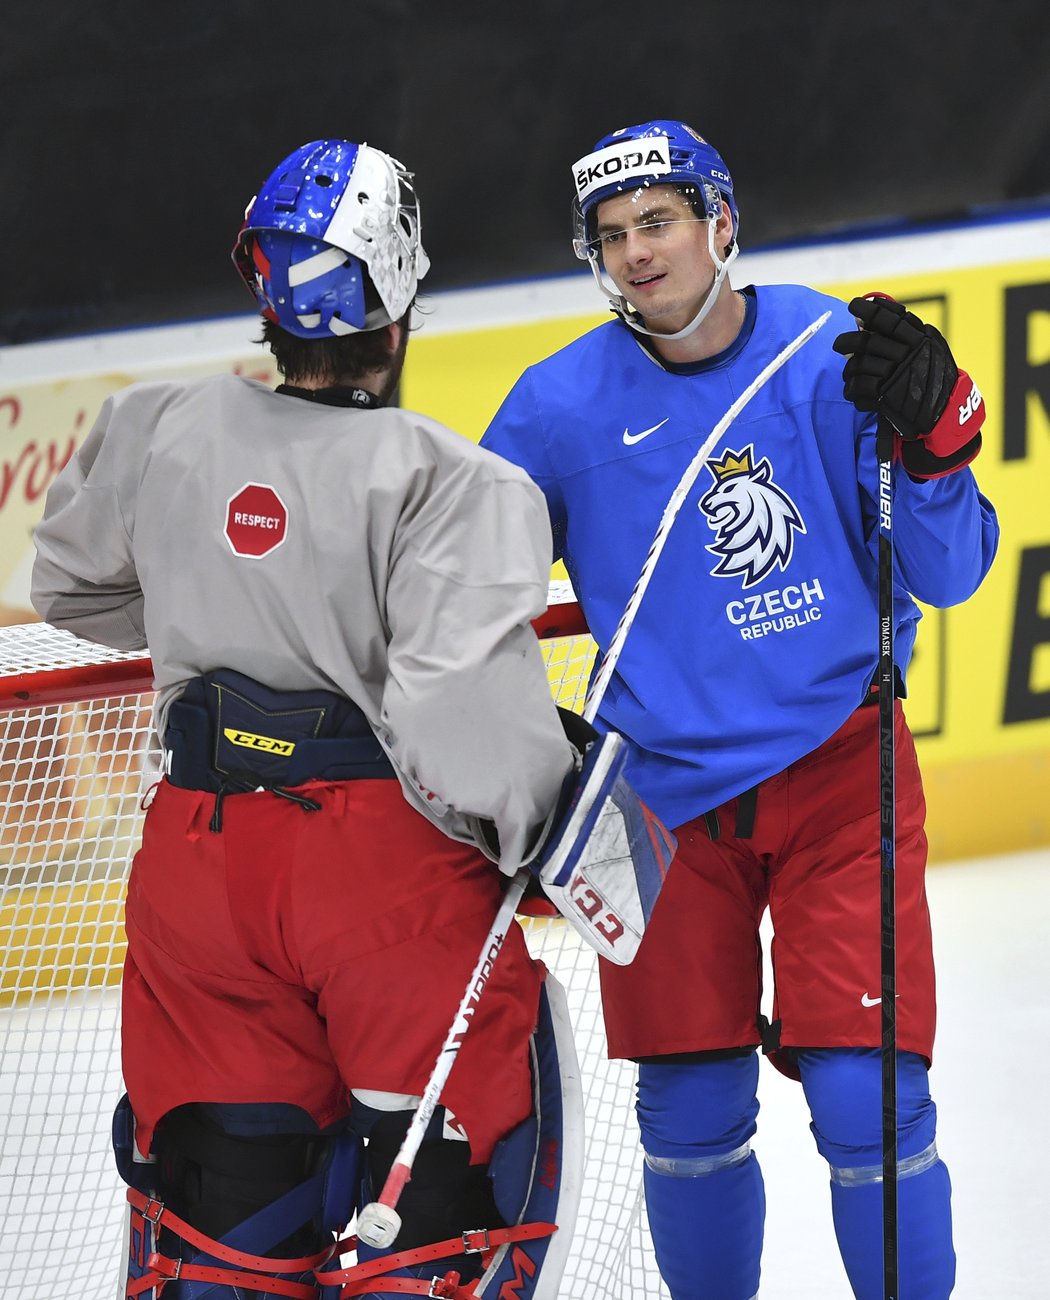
753	520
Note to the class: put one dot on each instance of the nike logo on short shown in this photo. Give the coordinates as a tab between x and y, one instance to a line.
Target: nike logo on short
631	438
865	1001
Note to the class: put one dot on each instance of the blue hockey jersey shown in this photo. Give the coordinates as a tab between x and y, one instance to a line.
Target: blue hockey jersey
758	634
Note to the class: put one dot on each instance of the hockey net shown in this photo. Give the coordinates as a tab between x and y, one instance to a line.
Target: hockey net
75	724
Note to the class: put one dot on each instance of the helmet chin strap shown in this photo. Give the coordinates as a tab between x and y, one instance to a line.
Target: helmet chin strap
632	317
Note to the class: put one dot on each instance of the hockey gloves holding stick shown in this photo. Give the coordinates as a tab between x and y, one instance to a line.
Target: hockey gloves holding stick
905	372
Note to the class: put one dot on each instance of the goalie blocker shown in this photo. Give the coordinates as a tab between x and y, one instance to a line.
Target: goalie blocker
604	862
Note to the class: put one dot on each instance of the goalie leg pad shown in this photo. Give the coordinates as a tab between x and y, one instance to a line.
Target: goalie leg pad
604	863
257	1179
844	1090
534	1178
703	1186
537	1170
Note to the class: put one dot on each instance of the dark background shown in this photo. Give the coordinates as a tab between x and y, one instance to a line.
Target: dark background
133	135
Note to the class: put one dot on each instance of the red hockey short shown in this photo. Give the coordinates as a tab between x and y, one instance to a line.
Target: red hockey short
813	859
298	954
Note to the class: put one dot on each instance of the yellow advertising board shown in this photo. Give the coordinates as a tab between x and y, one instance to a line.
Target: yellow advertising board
980	684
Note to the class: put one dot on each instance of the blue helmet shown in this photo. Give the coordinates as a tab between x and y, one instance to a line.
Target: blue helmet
331	244
654	153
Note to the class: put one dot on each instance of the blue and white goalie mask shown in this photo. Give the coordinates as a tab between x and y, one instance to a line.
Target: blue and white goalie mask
604	863
332	243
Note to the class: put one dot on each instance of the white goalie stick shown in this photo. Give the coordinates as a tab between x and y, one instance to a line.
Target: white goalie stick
378	1223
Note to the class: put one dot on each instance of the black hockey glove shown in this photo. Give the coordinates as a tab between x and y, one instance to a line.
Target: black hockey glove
904	371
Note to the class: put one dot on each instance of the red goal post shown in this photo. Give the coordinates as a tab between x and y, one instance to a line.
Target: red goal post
75	725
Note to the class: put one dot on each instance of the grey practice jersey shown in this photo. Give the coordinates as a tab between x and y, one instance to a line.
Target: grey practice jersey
370	552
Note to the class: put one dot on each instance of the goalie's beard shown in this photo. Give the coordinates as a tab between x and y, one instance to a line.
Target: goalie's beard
389	392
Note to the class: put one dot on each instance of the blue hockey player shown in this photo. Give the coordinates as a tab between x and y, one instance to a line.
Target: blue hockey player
744	691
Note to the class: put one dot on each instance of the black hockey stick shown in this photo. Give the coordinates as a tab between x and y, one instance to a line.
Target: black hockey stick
887	819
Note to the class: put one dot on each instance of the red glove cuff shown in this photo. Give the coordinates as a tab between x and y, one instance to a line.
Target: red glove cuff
960	420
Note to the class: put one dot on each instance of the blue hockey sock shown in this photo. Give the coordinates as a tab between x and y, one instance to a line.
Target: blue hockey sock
703	1187
844	1090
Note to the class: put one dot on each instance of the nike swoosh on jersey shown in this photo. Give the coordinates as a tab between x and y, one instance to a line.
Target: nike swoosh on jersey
865	1001
631	438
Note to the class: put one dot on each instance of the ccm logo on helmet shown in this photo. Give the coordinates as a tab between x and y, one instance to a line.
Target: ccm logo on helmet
651	157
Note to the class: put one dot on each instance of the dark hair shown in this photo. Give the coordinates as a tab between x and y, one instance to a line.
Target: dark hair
339	359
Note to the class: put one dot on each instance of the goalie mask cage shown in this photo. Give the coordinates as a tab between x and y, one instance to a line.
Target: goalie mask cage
75	764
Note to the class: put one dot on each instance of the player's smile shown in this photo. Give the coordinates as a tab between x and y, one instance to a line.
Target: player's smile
643	281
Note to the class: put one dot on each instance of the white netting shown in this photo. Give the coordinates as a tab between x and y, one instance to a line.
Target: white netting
37	648
73	776
69	819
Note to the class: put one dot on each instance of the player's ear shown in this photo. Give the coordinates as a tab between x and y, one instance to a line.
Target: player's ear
724	230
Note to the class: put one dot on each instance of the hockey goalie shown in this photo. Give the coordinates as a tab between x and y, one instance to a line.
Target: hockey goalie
359	747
